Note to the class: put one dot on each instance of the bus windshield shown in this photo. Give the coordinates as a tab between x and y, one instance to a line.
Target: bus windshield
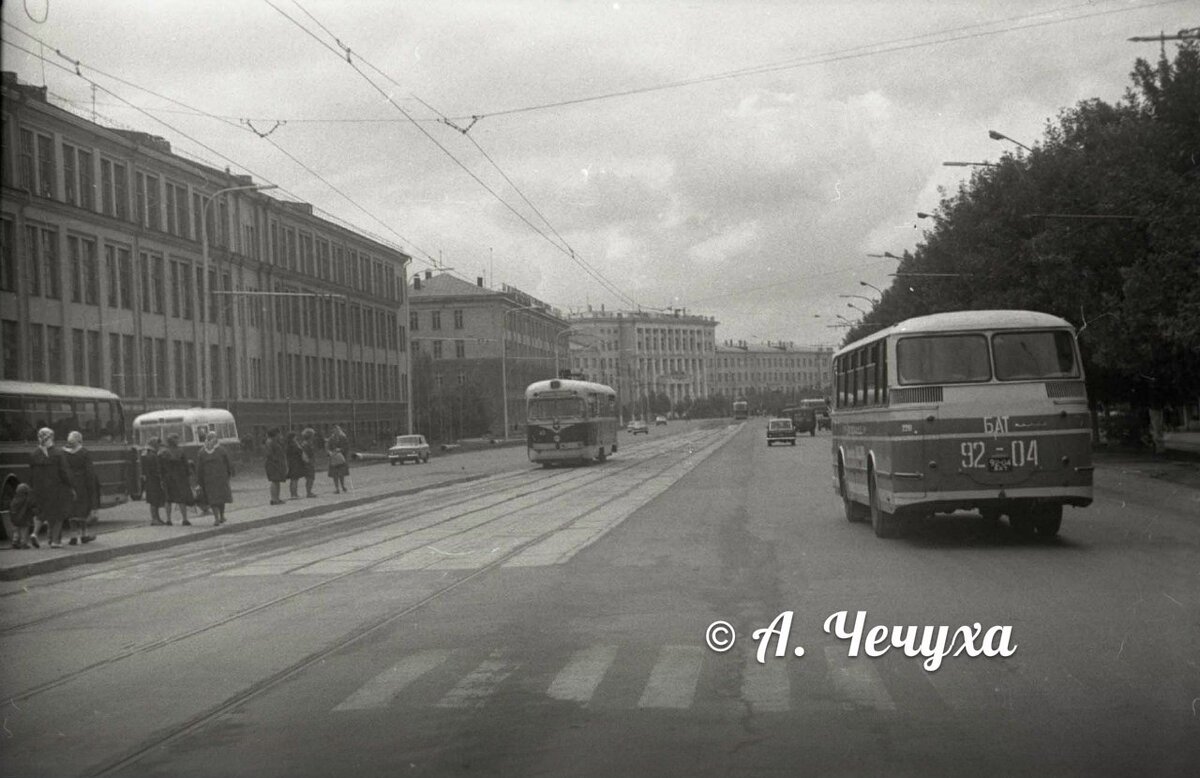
943	359
555	407
1033	355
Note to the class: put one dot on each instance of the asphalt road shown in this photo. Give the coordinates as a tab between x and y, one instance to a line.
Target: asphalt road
553	622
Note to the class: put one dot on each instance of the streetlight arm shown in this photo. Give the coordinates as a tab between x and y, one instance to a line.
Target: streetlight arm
207	293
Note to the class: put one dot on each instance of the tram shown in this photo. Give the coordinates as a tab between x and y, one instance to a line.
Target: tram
570	421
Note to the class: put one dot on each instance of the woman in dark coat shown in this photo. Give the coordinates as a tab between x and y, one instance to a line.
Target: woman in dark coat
152	485
295	464
338	447
51	484
86	504
276	464
309	448
176	478
214	468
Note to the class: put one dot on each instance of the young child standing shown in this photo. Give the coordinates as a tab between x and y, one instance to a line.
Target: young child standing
22	511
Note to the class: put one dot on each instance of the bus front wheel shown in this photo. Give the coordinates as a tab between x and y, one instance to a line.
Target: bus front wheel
854	511
885	524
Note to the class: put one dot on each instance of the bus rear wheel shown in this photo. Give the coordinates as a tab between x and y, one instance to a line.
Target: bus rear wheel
1047	520
885	524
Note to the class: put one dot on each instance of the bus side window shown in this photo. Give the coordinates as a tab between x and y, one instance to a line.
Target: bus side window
12	420
107	420
88	418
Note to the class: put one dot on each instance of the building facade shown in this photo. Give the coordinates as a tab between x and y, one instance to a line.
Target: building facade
643	354
103	279
778	370
475	350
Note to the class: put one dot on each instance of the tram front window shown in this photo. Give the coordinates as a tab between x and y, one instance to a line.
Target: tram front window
555	408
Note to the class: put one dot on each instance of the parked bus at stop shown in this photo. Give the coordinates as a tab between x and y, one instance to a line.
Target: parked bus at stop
26	407
971	410
570	421
192	425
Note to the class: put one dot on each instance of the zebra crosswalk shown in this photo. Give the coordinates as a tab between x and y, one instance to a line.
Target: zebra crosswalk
681	677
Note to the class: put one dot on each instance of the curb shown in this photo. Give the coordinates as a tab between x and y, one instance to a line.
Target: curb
54	564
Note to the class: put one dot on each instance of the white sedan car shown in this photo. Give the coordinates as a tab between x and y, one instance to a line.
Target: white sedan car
409	448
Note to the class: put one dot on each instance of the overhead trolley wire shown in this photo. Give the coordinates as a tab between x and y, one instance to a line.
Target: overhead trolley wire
428	258
857	52
348	54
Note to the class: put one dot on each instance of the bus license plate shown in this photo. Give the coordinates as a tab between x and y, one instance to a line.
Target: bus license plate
999	464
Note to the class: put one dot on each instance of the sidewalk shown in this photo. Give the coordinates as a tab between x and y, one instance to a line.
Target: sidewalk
125	529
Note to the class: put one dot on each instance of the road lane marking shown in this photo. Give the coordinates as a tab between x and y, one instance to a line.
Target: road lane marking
673	678
856	681
383	688
766	688
577	681
474	689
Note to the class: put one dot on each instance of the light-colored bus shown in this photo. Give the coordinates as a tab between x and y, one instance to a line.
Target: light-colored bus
570	421
741	409
971	410
192	425
26	407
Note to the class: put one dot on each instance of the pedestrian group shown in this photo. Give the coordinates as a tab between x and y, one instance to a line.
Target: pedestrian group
64	490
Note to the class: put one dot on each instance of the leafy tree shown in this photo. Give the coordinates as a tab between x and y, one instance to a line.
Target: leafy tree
1099	224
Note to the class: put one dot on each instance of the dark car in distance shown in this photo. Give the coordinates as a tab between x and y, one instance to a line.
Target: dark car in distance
803	419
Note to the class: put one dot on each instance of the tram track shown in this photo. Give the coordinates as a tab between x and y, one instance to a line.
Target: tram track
574	481
254	548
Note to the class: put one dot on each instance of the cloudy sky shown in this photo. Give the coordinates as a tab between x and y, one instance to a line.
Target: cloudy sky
737	159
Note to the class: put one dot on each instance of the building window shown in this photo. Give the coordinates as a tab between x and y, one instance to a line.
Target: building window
86	196
112	275
46	172
437	349
25	162
78	358
157	291
148	363
37	356
54	354
70	175
10	349
435	320
129	354
460	349
8	257
95	359
114	363
458	319
125	268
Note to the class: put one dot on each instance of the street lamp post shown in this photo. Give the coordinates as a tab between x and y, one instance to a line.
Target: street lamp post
504	358
857	297
870	286
885	255
855	307
205	309
567	331
1001	136
971	164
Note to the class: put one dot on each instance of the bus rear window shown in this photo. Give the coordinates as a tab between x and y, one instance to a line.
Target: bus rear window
555	408
1022	356
943	359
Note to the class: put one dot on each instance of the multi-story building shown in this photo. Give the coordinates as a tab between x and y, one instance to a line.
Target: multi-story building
748	370
475	350
103	273
643	354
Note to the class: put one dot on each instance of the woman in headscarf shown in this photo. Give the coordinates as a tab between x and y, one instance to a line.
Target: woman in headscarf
309	450
176	478
214	468
295	464
338	447
51	484
82	472
152	485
